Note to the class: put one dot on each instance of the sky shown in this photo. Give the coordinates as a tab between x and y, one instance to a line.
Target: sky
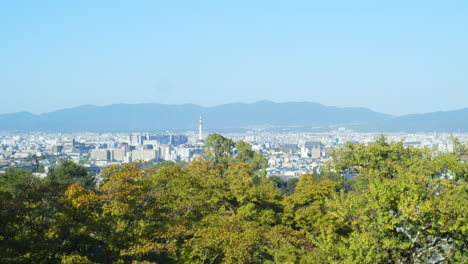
395	57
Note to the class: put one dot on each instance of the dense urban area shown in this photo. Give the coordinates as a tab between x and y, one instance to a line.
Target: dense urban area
288	154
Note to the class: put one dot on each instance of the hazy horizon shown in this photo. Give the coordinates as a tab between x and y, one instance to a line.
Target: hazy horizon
207	106
395	57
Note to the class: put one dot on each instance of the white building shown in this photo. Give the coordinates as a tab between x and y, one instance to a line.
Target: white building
100	154
145	154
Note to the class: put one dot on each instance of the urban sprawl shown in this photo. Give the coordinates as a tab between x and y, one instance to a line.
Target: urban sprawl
288	154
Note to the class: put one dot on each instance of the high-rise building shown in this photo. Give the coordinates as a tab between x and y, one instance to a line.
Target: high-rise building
118	154
178	139
100	154
145	154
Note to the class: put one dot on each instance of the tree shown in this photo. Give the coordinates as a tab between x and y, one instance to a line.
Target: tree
286	187
28	214
290	186
305	208
244	153
404	210
277	181
17	181
68	173
221	150
218	149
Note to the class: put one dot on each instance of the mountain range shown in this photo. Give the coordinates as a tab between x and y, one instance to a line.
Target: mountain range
160	117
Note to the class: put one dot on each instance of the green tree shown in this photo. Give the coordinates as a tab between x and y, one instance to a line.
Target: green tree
286	187
68	173
277	182
221	150
17	181
218	149
28	218
244	151
405	210
305	208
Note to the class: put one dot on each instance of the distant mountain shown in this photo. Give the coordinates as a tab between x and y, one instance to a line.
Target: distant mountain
159	117
444	121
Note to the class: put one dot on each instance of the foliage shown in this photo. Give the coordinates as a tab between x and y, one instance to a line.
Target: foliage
406	209
285	187
405	205
68	173
221	150
16	181
218	149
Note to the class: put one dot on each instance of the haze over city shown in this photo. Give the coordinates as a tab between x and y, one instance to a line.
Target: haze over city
394	57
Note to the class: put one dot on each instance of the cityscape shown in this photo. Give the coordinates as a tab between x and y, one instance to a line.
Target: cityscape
289	154
234	132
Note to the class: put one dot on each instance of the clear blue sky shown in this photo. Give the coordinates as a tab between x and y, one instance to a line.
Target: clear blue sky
394	56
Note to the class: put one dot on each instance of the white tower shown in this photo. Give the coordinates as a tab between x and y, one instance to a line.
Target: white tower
200	123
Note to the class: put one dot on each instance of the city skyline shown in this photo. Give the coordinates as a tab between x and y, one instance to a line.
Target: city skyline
395	58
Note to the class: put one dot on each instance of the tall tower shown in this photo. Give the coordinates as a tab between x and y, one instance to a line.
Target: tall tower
200	124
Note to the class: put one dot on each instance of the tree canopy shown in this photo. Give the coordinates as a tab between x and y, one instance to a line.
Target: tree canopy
404	205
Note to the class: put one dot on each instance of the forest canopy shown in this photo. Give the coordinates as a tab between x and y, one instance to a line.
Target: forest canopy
402	205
